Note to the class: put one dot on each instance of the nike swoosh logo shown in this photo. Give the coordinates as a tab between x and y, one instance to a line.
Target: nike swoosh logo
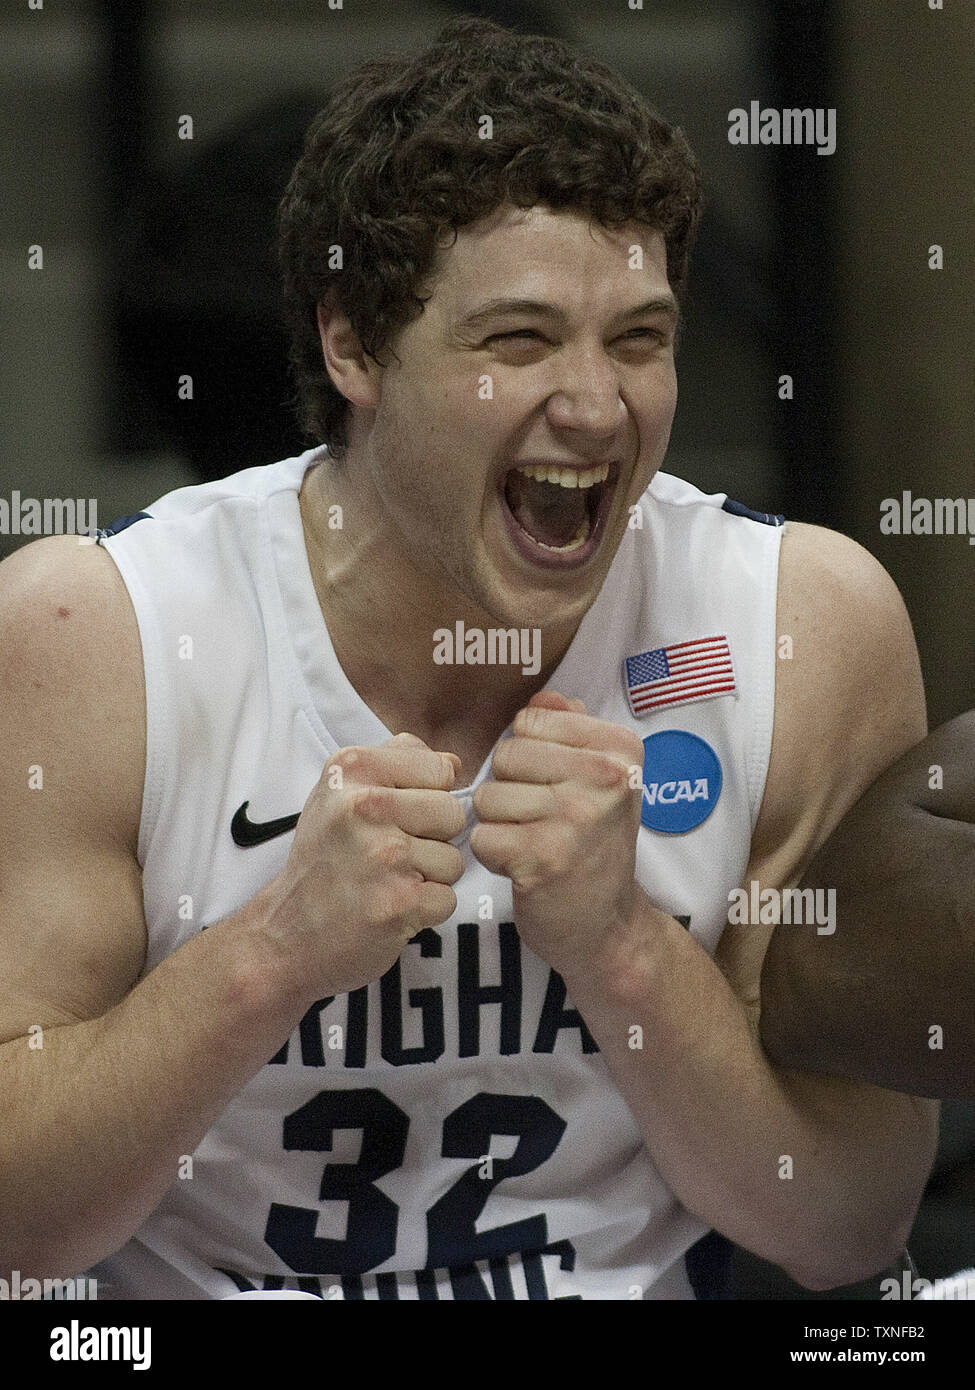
248	832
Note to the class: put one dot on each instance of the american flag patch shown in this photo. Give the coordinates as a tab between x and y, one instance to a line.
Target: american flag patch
677	674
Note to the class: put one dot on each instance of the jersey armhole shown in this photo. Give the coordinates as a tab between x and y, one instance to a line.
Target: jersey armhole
759	751
158	729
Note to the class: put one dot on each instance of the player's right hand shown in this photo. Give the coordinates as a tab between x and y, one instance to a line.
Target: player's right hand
370	865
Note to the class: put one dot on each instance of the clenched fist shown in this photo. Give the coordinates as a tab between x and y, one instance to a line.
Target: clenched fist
560	819
370	866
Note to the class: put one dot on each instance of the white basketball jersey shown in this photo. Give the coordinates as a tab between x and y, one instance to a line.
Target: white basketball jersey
451	1131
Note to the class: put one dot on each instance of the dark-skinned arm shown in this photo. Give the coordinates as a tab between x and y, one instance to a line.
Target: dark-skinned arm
866	1002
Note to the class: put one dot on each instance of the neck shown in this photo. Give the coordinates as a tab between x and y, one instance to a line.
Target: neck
382	613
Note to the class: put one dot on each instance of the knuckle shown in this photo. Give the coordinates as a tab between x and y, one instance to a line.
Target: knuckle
347	758
611	771
390	850
371	803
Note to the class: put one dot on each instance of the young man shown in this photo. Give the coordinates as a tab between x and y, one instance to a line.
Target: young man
888	997
462	1035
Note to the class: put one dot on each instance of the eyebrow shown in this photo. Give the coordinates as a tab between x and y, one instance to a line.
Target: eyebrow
496	308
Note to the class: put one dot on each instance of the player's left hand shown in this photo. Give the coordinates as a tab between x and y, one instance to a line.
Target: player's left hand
560	819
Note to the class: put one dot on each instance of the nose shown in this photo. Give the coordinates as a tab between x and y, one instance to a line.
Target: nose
587	398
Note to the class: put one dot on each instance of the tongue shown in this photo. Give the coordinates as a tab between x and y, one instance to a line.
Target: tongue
549	513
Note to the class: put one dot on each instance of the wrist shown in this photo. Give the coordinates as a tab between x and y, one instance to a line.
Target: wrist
263	958
627	962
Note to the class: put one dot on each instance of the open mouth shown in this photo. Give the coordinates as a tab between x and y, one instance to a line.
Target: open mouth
556	514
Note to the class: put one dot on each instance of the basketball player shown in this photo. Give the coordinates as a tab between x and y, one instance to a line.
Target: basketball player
459	1032
888	997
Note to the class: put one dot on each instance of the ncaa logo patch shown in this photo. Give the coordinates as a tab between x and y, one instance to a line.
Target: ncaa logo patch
681	781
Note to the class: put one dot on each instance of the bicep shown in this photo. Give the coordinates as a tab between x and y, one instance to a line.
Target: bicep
72	930
70	935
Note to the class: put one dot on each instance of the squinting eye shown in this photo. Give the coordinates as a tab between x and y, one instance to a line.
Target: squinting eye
528	335
531	333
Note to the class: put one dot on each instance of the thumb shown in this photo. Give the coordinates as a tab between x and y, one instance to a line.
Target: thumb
552	699
405	740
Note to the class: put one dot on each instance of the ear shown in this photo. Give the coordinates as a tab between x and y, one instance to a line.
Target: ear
354	374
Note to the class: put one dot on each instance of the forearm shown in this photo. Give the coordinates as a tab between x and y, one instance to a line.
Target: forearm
97	1119
724	1127
887	997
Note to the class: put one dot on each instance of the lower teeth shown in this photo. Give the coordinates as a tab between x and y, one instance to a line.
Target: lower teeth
580	538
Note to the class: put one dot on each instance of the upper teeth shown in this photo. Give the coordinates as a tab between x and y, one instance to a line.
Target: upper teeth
565	477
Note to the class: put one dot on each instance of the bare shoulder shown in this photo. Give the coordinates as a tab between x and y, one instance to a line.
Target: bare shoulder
849	701
71	663
72	723
849	695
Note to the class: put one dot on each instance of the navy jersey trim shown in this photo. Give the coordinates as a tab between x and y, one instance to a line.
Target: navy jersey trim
120	524
709	1268
739	509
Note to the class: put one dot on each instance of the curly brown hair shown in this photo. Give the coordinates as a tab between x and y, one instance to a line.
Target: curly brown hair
395	159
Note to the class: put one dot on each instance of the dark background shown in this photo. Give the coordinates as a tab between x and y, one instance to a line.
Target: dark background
159	261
